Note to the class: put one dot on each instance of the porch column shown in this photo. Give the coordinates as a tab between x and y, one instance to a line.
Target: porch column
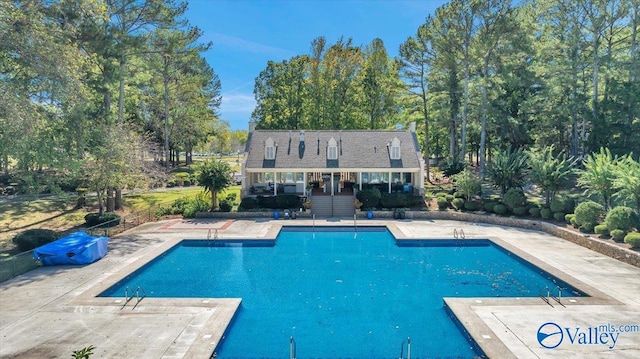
389	186
359	181
275	185
332	184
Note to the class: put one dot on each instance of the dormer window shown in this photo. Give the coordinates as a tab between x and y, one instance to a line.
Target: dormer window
269	149
332	149
394	151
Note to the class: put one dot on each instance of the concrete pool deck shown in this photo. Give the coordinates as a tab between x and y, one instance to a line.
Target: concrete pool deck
52	311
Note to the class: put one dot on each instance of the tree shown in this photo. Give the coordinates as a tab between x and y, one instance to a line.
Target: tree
548	171
468	183
627	181
598	176
415	54
215	176
508	169
117	160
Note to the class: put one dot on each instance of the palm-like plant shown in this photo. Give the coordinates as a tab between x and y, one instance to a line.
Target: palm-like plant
508	169
548	171
598	176
627	181
215	176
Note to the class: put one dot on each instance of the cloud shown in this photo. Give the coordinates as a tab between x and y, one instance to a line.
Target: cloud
240	102
242	44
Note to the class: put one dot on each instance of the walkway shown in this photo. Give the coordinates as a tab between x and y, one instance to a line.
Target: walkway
52	311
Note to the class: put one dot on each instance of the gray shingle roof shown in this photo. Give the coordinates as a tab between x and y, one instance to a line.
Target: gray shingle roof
356	149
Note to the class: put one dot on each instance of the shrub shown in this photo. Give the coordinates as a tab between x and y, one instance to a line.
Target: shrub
617	234
601	229
394	200
34	238
587	228
267	202
514	197
624	218
562	204
108	219
534	212
632	239
458	203
573	222
472	205
449	197
226	206
588	213
451	166
489	205
558	216
442	203
370	198
545	213
569	218
194	206
248	203
287	201
520	211
500	208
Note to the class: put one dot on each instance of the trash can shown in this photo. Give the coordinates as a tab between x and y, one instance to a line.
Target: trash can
276	215
369	214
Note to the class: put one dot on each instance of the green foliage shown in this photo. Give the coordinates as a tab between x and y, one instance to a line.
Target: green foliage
561	204
627	181
442	203
617	234
108	219
489	205
520	211
468	183
549	172
508	170
545	213
288	201
370	198
514	197
247	203
215	176
34	238
569	218
624	218
194	206
588	213
500	209
534	212
632	239
598	176
395	200
227	203
458	203
267	202
558	216
587	228
472	205
451	167
601	229
83	353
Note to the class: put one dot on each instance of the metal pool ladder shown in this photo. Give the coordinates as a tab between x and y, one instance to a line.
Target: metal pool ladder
458	234
292	348
129	294
408	341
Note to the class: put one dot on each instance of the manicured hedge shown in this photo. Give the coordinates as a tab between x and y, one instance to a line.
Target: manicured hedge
34	238
108	219
633	239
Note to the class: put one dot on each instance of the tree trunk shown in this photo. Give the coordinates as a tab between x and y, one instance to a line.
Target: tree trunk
118	199
110	200
483	127
166	111
214	200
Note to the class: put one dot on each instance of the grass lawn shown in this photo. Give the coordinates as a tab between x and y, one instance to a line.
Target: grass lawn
58	212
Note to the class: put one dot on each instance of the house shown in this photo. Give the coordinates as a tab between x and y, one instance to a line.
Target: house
331	165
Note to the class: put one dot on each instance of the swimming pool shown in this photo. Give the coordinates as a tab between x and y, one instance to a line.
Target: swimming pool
340	294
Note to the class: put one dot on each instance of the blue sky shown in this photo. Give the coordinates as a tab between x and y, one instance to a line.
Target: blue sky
248	33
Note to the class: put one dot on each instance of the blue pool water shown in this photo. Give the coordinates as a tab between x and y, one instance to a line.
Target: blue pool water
341	294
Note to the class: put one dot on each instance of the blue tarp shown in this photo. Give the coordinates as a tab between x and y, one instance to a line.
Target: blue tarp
76	248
